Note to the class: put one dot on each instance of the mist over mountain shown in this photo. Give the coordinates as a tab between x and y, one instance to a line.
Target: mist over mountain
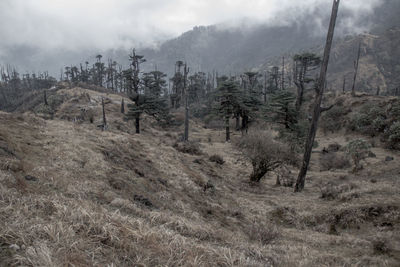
230	47
243	47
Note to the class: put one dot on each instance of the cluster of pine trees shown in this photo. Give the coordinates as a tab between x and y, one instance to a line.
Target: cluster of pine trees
14	86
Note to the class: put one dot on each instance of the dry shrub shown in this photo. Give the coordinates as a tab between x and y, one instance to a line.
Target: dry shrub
217	159
331	161
285	215
332	192
285	178
265	153
381	246
188	147
262	233
334	147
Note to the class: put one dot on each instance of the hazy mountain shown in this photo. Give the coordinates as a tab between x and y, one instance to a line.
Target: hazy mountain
226	48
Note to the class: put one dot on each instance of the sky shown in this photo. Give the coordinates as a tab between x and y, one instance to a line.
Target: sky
106	24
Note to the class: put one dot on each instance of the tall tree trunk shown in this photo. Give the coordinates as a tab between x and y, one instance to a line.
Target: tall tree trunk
344	84
318	100
45	98
104	115
300	95
237	120
122	106
186	134
353	89
265	87
283	74
227	130
137	123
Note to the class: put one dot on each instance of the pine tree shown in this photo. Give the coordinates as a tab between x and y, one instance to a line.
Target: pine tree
229	101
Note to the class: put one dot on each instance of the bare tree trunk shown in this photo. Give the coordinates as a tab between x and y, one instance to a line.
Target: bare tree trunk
300	94
353	89
104	115
227	130
318	100
137	123
283	74
344	84
237	119
186	135
122	106
265	87
45	98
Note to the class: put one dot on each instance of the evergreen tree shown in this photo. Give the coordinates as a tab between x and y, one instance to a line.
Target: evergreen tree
229	101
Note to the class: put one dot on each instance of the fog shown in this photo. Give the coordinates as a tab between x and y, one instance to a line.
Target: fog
32	31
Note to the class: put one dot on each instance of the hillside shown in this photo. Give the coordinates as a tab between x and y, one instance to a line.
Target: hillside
73	195
378	67
235	49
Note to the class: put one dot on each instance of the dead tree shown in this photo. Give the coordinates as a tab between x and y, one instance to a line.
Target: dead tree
185	73
122	106
353	89
344	84
265	87
45	98
104	115
283	74
303	64
318	100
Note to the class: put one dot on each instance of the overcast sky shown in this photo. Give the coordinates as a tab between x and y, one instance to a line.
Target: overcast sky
104	24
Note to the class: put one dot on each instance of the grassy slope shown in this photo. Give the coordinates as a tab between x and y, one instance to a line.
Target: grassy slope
112	197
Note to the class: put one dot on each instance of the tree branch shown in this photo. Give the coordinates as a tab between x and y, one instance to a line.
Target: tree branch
323	109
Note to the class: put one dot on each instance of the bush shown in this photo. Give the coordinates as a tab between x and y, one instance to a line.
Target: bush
371	120
332	160
380	246
199	111
332	192
393	136
217	159
263	234
358	149
334	119
295	136
265	154
285	178
189	147
334	147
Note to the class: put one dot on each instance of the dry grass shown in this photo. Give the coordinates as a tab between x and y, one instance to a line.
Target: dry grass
110	198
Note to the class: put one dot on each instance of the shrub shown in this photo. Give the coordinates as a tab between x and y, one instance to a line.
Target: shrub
217	159
332	192
189	147
285	178
261	233
295	136
265	154
393	136
334	119
394	110
370	120
334	160
380	246
358	149
335	147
